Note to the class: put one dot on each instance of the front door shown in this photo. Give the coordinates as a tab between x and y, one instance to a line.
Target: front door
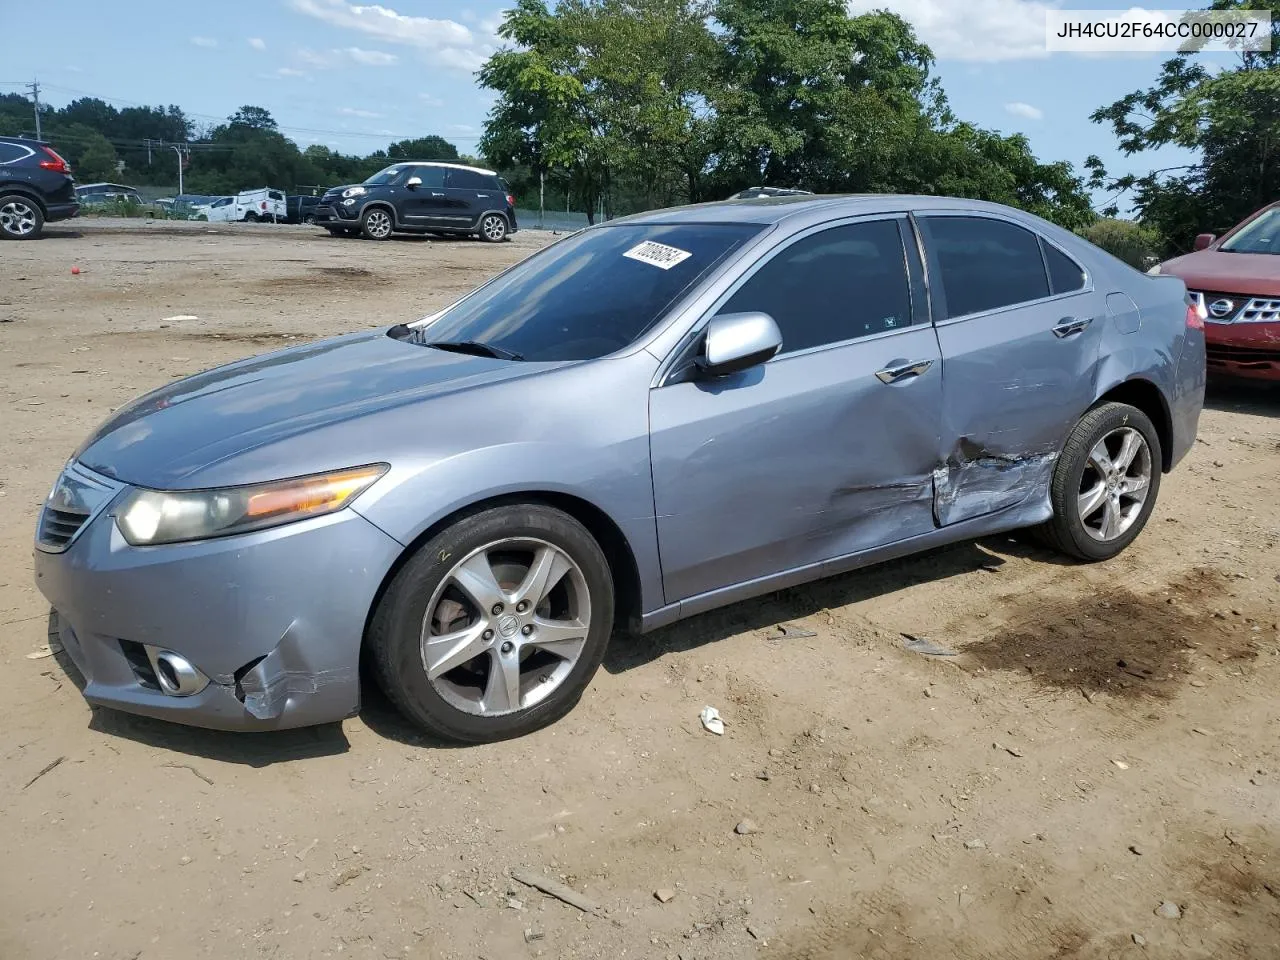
424	205
826	450
1020	327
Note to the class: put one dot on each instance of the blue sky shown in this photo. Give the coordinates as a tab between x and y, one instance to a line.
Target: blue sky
355	75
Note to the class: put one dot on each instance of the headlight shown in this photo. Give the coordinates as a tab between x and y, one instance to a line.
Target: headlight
354	191
149	517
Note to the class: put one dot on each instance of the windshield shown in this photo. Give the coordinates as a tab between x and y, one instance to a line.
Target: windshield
385	175
590	294
1262	235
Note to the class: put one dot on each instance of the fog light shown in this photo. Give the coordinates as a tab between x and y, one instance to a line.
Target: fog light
350	202
176	675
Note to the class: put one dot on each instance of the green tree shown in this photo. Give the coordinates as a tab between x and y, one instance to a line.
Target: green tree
1131	242
1230	119
97	160
423	148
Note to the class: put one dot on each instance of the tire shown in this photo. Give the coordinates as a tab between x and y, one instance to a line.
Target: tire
376	224
339	231
309	220
1088	534
493	228
469	703
20	218
251	217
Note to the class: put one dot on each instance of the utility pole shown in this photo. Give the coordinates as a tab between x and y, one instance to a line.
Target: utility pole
34	87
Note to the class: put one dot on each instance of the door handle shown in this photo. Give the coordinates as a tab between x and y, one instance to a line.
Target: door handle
1069	325
434	194
904	371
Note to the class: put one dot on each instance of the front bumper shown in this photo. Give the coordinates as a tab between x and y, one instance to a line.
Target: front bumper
326	213
1249	350
274	619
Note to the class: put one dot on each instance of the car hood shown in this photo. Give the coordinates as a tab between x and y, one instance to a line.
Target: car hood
167	437
1254	274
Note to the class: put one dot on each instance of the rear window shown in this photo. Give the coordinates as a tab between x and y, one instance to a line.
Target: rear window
471	180
590	294
11	151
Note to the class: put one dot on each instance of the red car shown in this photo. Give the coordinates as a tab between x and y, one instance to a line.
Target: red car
1236	282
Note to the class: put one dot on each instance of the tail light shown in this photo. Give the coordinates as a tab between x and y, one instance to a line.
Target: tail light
511	199
54	163
1196	313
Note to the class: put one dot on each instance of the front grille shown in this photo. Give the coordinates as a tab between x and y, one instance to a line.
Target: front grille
1237	308
57	527
140	664
1222	353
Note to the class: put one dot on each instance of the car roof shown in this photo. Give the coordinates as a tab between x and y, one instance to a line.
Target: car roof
25	141
774	210
444	163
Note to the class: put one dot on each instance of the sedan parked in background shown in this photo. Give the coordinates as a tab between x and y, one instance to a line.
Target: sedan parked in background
650	418
1236	282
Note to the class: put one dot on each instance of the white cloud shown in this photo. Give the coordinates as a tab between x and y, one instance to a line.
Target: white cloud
981	30
290	72
447	42
327	59
1024	110
371	58
257	43
353	112
207	42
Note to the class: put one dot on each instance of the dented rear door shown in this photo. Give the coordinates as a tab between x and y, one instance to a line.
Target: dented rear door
1019	325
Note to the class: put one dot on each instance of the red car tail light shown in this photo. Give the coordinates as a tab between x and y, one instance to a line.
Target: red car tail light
511	199
54	163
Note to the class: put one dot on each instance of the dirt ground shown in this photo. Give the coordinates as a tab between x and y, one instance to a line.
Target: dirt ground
1107	738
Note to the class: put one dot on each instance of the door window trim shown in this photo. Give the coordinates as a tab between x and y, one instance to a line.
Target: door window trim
681	356
938	293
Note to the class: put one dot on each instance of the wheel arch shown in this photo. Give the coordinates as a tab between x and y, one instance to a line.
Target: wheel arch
1148	398
386	205
623	569
10	189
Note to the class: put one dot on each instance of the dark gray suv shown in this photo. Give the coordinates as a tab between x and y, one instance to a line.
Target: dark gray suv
421	197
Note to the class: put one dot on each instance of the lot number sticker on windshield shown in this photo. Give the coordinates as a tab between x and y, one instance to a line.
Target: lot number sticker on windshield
658	254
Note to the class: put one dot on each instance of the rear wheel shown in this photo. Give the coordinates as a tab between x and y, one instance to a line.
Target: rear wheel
1104	484
375	224
495	626
493	228
20	218
251	217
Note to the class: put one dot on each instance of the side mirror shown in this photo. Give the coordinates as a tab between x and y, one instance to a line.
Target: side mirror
413	182
1203	240
737	341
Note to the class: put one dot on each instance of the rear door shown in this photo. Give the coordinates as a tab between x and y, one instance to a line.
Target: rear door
1020	325
472	194
828	449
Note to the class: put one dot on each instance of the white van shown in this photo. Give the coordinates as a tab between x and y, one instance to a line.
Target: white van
251	206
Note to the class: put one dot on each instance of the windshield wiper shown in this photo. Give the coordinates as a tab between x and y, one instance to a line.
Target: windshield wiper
475	348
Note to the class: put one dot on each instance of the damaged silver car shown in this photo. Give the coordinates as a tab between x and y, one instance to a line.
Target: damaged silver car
645	420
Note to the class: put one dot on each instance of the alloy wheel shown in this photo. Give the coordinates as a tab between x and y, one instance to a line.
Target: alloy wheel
495	228
506	627
17	218
1115	484
378	224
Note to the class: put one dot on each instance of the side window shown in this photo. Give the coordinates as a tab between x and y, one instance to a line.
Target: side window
432	177
10	152
275	195
1065	275
836	285
470	180
985	264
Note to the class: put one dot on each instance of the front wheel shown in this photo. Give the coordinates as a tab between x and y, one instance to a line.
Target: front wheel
375	224
20	218
1104	484
495	626
493	228
251	217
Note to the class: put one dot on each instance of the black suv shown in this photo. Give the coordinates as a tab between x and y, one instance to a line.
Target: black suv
421	197
300	209
35	188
